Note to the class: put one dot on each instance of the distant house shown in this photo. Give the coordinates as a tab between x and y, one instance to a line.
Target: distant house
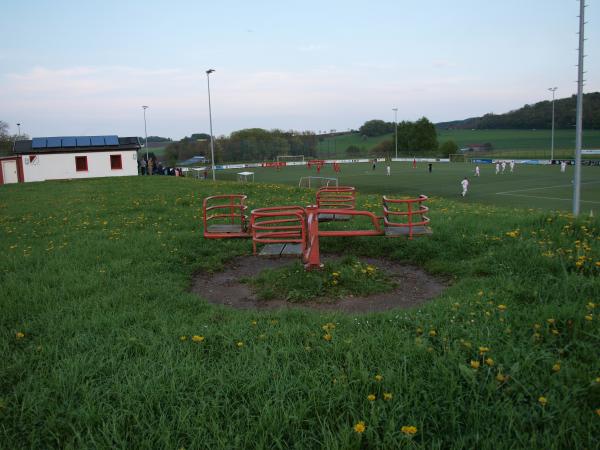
58	158
193	160
477	147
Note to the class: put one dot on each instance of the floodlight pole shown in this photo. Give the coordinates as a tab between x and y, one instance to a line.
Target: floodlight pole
145	133
19	126
579	119
212	144
396	129
553	90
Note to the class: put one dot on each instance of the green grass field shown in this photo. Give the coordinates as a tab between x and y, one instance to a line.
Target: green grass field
96	327
528	187
506	143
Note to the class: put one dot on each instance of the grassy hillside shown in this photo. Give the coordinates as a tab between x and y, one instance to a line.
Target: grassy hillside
521	143
96	326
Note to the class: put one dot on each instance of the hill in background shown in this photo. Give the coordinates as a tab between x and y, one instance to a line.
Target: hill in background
536	116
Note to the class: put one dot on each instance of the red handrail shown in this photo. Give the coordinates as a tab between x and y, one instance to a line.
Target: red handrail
278	225
232	209
421	210
342	197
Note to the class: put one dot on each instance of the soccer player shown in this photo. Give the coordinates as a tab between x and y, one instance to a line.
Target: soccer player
465	186
563	166
414	162
512	166
388	170
503	166
476	171
497	168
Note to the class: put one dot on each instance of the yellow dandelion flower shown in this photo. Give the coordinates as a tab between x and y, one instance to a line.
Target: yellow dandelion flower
432	333
590	305
378	377
387	396
328	337
502	307
483	350
419	330
371	397
335	274
556	367
240	344
551	321
489	362
589	317
543	401
197	338
183	338
334	282
475	364
501	378
254	322
19	335
409	430
555	332
360	427
537	326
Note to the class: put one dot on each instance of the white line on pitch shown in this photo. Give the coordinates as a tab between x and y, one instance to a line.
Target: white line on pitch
545	187
548	198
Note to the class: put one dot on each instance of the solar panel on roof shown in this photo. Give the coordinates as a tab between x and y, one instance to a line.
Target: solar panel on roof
111	140
97	140
38	143
69	141
83	141
53	142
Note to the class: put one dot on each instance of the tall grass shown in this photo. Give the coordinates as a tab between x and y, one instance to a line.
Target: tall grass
97	326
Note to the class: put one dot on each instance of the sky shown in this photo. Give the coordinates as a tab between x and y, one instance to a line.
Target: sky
87	67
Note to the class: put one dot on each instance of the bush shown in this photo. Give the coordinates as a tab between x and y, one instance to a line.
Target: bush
448	148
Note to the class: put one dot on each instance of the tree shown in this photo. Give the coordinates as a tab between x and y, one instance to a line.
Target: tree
425	136
373	128
384	148
448	148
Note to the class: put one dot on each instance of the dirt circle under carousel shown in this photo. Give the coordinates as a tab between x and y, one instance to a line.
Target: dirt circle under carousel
414	287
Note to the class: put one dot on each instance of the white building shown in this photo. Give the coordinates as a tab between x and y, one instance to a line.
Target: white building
70	157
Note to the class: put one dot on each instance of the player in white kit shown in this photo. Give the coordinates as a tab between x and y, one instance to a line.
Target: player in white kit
465	186
512	166
476	171
503	166
497	168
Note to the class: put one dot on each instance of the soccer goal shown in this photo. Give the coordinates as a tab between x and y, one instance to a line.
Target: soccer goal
317	182
457	157
291	158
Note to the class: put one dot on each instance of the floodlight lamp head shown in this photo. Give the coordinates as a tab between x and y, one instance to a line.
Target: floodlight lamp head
145	107
209	71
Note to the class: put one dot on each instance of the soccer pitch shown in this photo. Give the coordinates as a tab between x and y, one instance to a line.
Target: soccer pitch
529	186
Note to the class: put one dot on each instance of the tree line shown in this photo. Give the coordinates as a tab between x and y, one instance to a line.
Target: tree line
252	144
537	116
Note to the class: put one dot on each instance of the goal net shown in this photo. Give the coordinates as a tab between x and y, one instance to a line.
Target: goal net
457	157
290	158
317	182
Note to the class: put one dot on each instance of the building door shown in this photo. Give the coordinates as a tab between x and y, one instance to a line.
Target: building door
9	172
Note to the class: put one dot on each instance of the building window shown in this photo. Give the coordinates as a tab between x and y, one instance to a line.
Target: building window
81	164
115	162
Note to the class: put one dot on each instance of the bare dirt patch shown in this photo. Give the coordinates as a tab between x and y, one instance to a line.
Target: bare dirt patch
415	287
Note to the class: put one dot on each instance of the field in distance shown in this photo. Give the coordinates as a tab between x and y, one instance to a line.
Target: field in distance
509	143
